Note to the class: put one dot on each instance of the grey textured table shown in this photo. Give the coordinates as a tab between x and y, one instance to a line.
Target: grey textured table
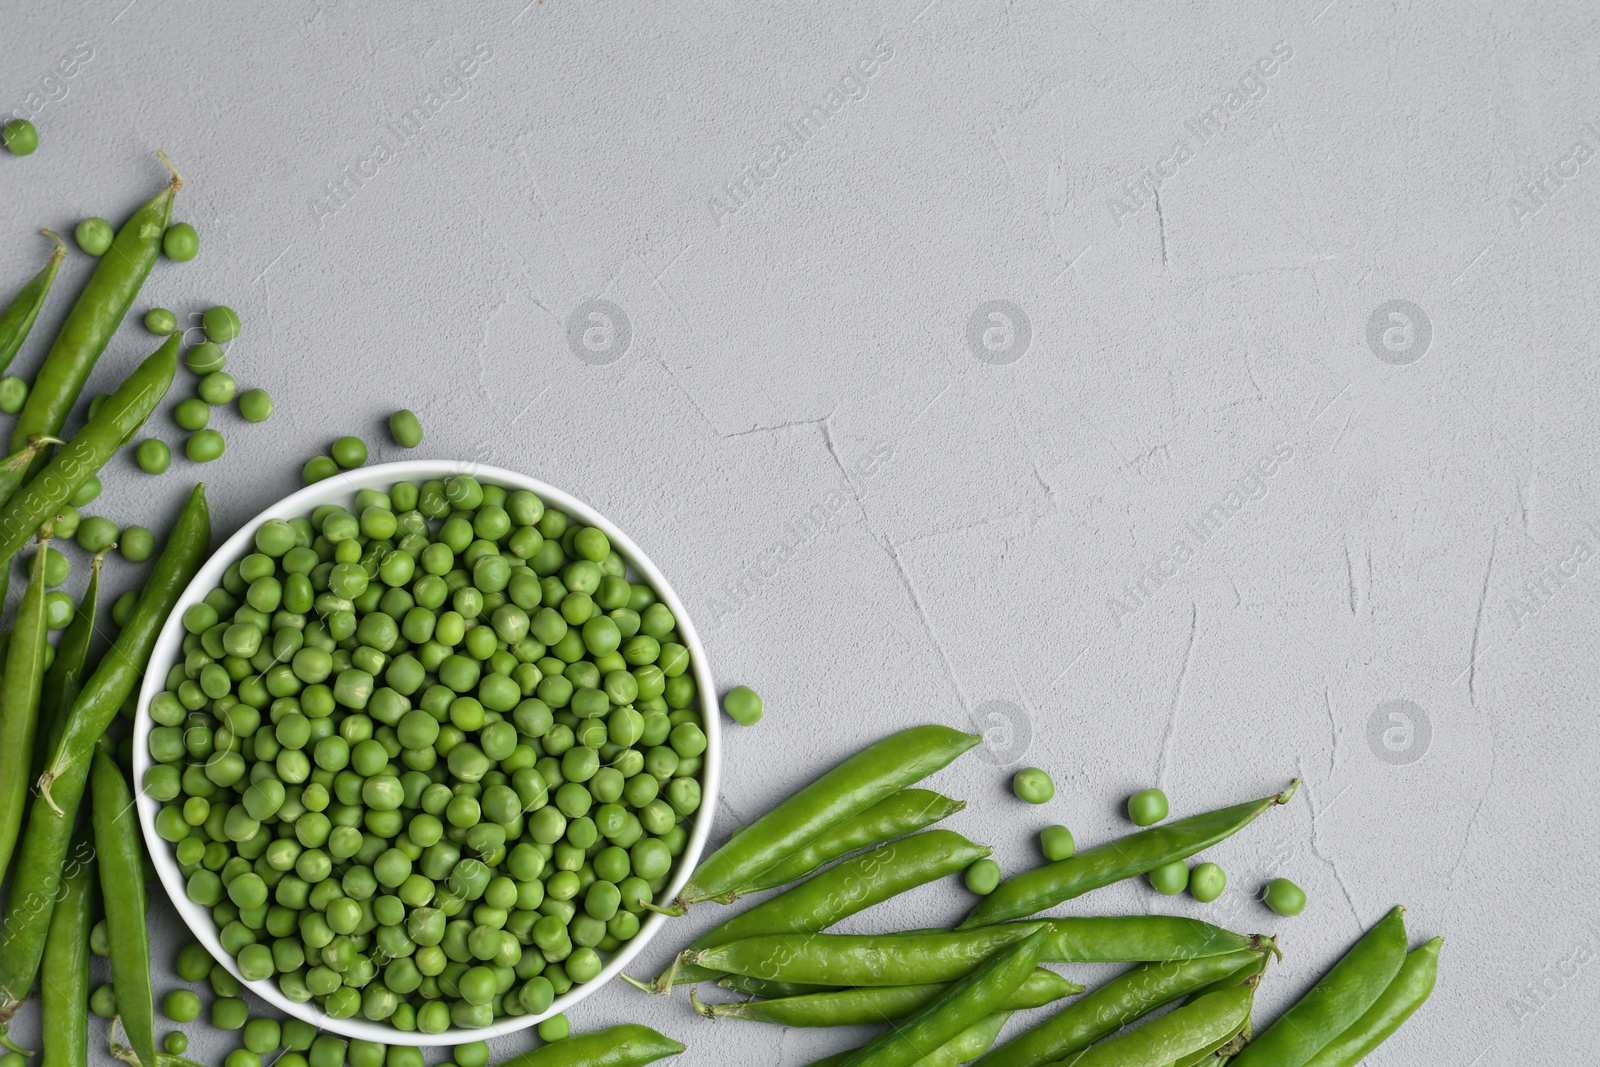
1192	396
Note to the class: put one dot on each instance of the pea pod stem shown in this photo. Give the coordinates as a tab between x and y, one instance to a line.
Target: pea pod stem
121	1052
123	412
1336	1002
121	861
1408	992
66	961
17	319
1140	853
855	785
19	700
850	1007
46	838
836	893
96	314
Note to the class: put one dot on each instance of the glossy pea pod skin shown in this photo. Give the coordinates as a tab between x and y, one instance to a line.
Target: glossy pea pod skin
63	1022
1201	1026
1115	1004
966	1046
854	960
117	420
1408	992
760	987
121	862
627	1045
852	1007
964	1004
858	783
19	701
48	832
96	315
17	319
836	893
1044	887
65	676
898	814
15	466
1338	1000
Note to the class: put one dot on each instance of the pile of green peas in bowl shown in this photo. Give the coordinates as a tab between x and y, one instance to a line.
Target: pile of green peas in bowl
417	748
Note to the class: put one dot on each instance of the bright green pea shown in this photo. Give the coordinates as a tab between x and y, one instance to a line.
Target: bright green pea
348	452
229	1013
180	242
1206	882
554	1028
1170	879
317	469
181	1006
743	705
218	387
1284	897
205	358
1147	807
192	414
20	137
1033	785
205	446
1055	843
255	405
220	323
136	543
94	236
58	610
160	321
153	455
13	394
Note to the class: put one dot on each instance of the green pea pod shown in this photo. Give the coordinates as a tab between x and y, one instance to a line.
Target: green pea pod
963	1004
1409	990
15	466
894	816
95	317
852	1007
627	1045
838	892
19	701
971	1043
123	412
1044	887
850	788
116	843
1118	1003
1201	1026
855	960
1336	1002
66	960
65	676
44	842
17	319
760	987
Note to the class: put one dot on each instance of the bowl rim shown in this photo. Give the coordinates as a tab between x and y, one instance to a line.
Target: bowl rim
340	488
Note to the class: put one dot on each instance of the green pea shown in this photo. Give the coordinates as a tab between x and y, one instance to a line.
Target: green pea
743	705
136	543
94	534
218	387
160	321
407	433
1206	882
220	323
554	1028
180	242
1147	807
13	394
1284	897
58	610
1170	879
86	492
241	1057
181	1006
255	405
1033	785
192	414
348	452
20	137
1055	843
153	455
193	962
103	1001
94	236
176	1043
205	358
318	468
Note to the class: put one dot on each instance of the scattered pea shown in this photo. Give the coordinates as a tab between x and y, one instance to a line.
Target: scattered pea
192	414
1033	785
13	394
317	469
983	876
194	962
262	1035
220	323
136	544
406	430
1170	879
95	533
1284	897
67	520
205	357
473	1054
180	242
58	609
57	568
554	1028
181	1006
1055	843
176	1043
1147	807
103	1001
229	1013
205	446
153	455
160	321
349	452
20	137
99	943
242	1057
255	405
94	236
218	387
1206	882
743	705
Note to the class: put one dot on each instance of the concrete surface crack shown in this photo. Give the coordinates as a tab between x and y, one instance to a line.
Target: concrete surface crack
1177	694
1472	823
1316	841
1477	626
1161	227
792	424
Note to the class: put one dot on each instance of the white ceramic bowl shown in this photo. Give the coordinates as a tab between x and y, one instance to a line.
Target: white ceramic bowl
342	489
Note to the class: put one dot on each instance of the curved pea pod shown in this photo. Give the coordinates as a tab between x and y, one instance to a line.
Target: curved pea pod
65	676
19	701
964	1004
627	1045
1144	939
1117	1003
838	892
1199	1027
1140	853
63	1022
898	814
964	1047
858	783
914	957
1408	992
15	466
760	987
96	315
50	817
17	319
121	861
852	1007
1336	1002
